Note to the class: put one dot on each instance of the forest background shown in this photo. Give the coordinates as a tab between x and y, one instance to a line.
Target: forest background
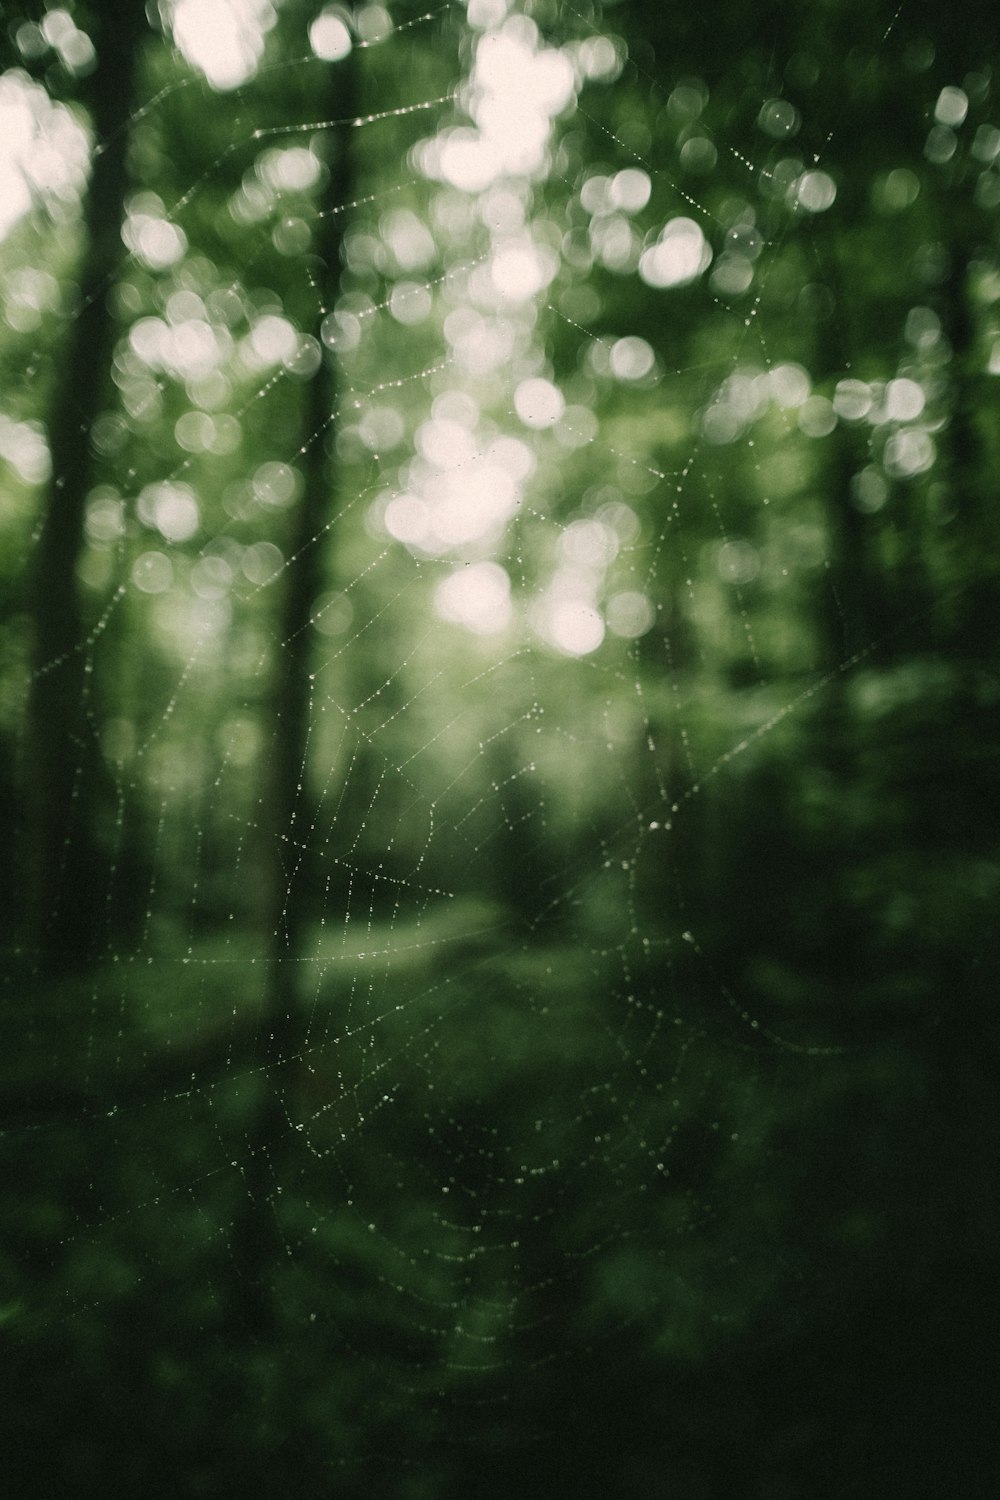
498	721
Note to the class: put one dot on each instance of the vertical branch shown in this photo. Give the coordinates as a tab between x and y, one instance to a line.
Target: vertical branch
288	817
62	773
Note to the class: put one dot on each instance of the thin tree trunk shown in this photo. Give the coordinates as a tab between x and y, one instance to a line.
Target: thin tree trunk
65	880
289	822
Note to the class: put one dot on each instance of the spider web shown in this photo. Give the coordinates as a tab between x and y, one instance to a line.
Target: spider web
550	1019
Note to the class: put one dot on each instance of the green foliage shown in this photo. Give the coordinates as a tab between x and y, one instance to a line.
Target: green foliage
507	1060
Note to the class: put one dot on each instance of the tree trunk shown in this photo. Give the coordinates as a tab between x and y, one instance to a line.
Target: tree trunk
66	881
289	817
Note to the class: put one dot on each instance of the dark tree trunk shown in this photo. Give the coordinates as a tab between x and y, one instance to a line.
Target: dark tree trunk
67	883
290	809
